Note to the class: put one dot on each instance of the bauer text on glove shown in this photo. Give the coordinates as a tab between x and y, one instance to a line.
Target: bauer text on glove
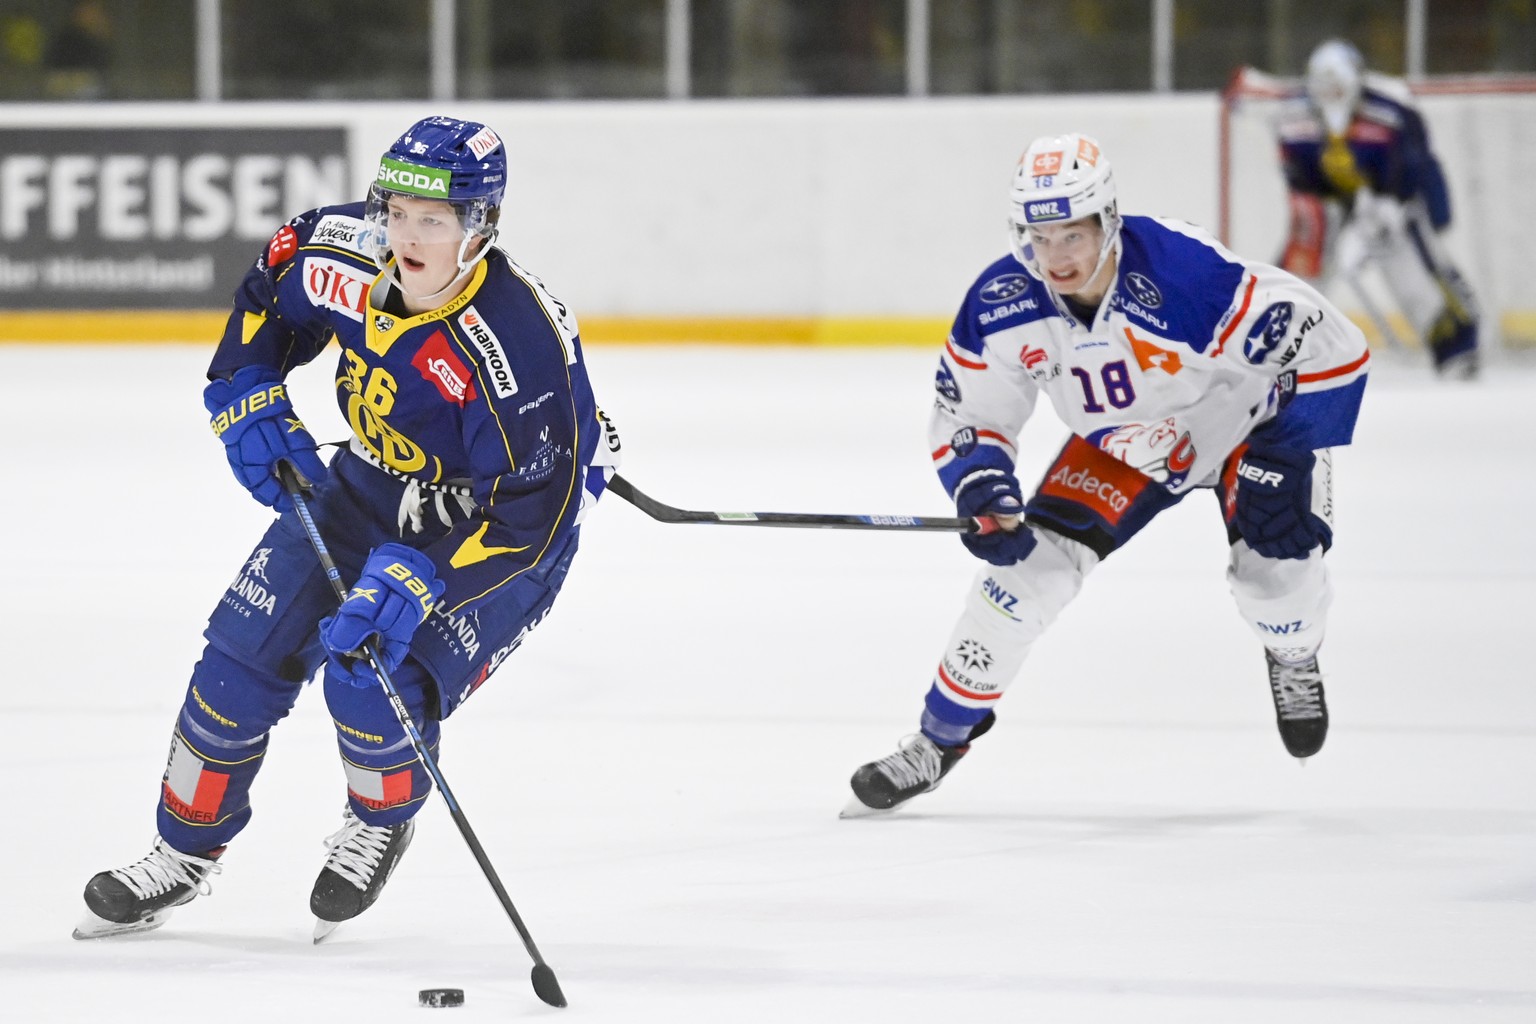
396	590
254	418
1273	509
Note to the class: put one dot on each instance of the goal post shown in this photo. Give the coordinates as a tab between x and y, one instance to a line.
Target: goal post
1482	128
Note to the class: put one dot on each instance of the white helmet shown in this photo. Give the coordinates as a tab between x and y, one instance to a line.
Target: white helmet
1062	178
1334	79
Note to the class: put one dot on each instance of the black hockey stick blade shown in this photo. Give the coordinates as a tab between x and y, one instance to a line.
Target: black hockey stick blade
546	986
665	513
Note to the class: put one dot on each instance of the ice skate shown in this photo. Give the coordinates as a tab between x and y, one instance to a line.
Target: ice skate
361	860
917	767
1300	708
141	896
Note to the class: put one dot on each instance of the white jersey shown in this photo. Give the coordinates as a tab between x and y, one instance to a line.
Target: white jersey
1192	350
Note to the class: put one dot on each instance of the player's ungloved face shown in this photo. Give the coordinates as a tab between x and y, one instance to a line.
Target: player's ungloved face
1067	253
425	235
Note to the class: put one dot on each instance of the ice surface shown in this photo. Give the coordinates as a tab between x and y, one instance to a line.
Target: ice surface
657	773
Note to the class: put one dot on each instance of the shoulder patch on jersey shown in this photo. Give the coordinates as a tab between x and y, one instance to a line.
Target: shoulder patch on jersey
492	356
1143	290
1268	331
282	247
1002	288
945	384
340	232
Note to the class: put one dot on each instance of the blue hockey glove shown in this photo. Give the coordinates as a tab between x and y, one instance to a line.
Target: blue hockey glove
995	496
391	598
1273	511
254	418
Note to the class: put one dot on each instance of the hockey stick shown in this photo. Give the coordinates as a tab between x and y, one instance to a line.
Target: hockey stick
667	514
545	984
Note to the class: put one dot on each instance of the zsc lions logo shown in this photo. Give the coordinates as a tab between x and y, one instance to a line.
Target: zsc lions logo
1003	288
1269	332
1143	290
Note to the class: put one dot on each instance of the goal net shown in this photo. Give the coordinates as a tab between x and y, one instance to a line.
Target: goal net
1483	129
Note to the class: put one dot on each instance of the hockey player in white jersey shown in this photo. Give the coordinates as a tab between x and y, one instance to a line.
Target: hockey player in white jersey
1365	186
1177	366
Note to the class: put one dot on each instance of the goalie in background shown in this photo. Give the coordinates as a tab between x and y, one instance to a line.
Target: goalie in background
1364	185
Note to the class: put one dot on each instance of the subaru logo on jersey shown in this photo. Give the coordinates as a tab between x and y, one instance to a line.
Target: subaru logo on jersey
945	382
1047	210
1268	332
1143	290
964	442
1003	287
492	355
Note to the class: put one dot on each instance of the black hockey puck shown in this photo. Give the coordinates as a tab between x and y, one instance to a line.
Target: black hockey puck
440	997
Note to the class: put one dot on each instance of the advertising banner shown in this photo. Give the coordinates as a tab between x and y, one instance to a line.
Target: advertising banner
152	218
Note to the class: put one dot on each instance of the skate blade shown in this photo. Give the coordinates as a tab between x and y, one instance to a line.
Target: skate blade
324	928
93	927
857	808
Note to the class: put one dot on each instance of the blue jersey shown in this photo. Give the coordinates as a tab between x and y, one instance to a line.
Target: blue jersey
1387	140
489	390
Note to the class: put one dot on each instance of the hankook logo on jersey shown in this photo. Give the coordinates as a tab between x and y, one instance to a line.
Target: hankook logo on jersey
1143	290
492	355
1003	287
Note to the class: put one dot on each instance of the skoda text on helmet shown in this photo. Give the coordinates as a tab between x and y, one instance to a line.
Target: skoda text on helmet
1062	178
1334	79
463	163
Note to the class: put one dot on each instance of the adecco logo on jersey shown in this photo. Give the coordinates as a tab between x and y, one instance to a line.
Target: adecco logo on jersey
137	218
1044	210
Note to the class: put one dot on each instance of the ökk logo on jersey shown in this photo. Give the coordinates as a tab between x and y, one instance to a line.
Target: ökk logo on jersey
1003	287
1268	332
1143	290
1047	210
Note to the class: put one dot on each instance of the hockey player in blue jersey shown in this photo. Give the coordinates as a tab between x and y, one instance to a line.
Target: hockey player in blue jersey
455	506
1177	366
1365	185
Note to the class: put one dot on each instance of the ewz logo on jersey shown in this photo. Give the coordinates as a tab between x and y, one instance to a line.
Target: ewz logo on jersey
1269	332
998	597
1003	288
